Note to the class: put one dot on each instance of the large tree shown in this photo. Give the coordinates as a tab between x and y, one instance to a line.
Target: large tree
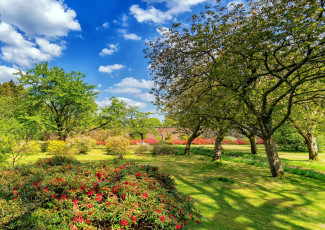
265	55
64	97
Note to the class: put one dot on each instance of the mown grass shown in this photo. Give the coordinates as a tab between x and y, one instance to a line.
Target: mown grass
234	195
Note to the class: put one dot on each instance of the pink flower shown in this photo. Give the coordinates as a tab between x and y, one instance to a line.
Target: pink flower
162	218
178	226
124	222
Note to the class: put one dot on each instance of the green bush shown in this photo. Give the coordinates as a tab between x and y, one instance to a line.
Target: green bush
96	195
118	145
288	138
142	148
61	148
29	147
57	160
163	149
83	144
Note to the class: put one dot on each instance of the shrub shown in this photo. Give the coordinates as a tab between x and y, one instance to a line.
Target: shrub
151	141
288	138
82	144
29	147
241	142
118	145
61	148
98	195
134	142
142	148
44	146
57	160
163	149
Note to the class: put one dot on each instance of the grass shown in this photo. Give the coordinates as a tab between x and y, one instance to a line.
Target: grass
234	195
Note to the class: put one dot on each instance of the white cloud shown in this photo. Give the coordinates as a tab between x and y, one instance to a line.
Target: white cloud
107	102
7	73
109	51
131	82
155	15
123	90
131	102
129	36
106	25
146	97
110	68
31	31
99	85
125	19
49	18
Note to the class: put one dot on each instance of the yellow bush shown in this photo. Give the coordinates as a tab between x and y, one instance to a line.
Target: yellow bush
117	145
61	148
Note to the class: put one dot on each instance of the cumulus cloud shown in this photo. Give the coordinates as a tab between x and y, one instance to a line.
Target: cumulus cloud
123	90
49	18
32	31
134	83
110	50
129	36
107	102
110	68
146	97
7	73
155	15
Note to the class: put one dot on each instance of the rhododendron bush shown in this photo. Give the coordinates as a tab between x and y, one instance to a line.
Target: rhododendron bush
65	194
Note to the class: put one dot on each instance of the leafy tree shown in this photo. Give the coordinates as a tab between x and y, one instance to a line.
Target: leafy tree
10	89
265	55
63	97
140	123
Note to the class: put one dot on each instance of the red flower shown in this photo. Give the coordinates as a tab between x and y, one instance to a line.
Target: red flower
123	196
133	218
75	201
124	222
90	192
99	197
139	174
59	179
178	226
83	188
162	218
197	221
53	196
14	192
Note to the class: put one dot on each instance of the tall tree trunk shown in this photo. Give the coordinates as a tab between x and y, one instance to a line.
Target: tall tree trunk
217	148
312	147
194	135
142	137
273	157
252	141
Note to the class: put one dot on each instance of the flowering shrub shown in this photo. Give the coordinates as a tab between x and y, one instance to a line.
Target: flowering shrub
117	145
199	141
134	142
98	195
259	140
151	141
241	142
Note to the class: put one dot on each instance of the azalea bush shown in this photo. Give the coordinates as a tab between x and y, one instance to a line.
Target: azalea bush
151	141
101	195
134	142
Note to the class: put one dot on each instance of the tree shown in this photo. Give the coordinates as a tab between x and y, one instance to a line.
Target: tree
141	123
10	89
64	97
306	119
265	55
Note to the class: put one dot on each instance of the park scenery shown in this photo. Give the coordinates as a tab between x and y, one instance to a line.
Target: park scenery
234	137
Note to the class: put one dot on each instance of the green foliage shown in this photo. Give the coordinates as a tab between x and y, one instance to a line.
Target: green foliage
163	149
118	145
82	143
63	99
57	160
100	195
61	148
288	138
142	148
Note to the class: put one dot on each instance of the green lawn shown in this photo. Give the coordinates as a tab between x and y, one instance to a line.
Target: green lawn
239	196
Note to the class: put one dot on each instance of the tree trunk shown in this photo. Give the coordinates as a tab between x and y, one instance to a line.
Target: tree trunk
273	157
217	148
312	147
253	144
142	137
194	135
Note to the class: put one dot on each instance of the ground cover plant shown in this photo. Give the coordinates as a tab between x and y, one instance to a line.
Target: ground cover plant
60	192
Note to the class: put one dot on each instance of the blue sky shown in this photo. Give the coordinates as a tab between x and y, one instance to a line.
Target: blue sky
103	39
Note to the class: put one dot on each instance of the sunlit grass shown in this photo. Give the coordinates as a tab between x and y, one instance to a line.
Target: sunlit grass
245	198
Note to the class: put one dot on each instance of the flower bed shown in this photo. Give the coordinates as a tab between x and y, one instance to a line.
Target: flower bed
64	194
